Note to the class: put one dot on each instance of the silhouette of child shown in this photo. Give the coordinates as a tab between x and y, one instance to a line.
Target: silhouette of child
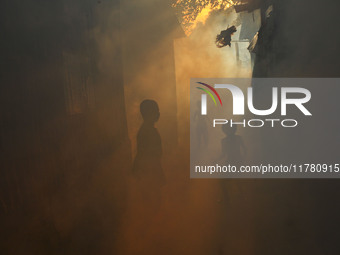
233	153
233	148
147	164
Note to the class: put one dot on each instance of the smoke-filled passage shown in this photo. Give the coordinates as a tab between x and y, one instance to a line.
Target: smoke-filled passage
95	127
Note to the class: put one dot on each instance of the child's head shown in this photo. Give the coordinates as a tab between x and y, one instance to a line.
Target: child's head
228	130
149	110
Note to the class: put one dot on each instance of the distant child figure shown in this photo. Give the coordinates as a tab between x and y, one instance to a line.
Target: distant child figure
233	153
147	166
233	148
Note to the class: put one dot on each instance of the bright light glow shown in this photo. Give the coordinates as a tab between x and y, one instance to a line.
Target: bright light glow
193	12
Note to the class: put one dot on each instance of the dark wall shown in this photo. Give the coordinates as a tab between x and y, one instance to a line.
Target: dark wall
63	131
300	216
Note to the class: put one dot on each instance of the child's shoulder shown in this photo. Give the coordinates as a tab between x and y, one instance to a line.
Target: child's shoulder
147	130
